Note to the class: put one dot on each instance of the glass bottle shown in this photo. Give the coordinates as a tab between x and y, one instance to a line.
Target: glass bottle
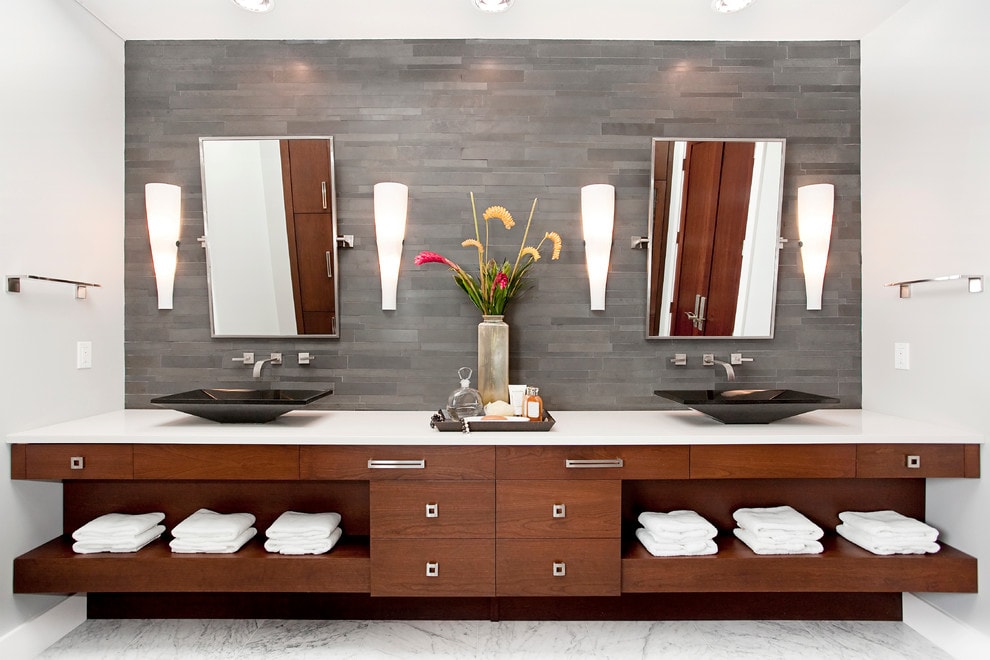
533	404
464	401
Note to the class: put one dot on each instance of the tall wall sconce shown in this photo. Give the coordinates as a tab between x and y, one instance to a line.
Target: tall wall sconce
597	219
163	203
815	206
391	202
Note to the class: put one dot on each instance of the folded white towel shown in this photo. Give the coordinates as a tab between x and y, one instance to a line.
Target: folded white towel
304	546
885	546
658	548
117	526
889	524
295	525
763	546
191	545
677	525
206	525
130	544
778	523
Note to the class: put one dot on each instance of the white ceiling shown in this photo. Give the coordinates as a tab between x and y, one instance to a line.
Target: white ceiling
527	19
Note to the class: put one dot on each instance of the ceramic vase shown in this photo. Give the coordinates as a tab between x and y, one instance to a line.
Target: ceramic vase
493	359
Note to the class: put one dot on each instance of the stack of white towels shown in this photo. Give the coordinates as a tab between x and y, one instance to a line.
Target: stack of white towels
118	532
209	531
779	530
887	533
295	533
677	533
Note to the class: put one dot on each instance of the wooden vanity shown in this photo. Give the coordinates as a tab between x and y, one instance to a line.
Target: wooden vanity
492	525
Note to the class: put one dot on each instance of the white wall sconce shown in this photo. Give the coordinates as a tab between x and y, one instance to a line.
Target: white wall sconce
597	219
815	206
259	6
391	202
163	203
730	6
493	6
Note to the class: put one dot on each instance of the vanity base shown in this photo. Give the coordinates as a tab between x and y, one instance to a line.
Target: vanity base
628	607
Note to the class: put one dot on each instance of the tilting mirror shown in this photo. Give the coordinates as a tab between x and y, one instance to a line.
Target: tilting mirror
714	237
270	219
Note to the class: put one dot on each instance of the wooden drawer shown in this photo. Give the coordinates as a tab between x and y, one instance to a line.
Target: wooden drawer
72	461
397	462
592	462
435	567
558	509
911	460
772	461
265	462
549	567
437	509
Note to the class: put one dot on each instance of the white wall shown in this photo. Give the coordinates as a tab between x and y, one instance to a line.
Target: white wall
926	170
61	215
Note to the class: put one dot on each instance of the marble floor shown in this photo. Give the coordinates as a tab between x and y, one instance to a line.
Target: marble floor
247	639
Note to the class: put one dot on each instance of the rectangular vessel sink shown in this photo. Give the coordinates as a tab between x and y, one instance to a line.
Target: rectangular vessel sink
232	405
748	406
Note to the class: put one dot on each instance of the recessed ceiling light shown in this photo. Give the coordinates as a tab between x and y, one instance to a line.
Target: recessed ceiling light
259	6
493	6
729	6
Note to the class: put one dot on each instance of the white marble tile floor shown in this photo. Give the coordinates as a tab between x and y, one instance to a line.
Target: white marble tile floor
201	639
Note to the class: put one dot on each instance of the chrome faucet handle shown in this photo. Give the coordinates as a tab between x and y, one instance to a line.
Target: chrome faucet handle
708	359
247	359
276	358
737	359
679	359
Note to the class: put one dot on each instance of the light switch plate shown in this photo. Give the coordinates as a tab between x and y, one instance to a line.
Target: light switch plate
84	355
902	355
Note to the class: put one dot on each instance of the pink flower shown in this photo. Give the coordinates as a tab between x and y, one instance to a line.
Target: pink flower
501	280
431	258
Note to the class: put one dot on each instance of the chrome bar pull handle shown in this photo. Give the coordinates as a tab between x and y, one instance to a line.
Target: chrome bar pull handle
323	190
329	265
386	464
593	462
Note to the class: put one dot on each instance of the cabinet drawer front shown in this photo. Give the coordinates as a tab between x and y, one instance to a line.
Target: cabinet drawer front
558	509
773	461
266	462
434	567
78	462
397	462
437	509
547	567
906	460
592	462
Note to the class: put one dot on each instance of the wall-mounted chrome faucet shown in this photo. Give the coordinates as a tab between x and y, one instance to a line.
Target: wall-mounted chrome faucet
708	360
276	358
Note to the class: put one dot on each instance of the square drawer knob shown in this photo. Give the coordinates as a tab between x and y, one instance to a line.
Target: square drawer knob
913	461
559	511
432	510
77	462
559	569
432	569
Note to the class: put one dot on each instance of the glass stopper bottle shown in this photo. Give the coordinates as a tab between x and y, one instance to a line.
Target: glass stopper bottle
464	401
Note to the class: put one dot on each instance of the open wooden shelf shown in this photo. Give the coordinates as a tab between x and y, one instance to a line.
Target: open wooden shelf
55	568
842	567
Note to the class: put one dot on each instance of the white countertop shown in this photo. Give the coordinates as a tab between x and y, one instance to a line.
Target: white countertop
639	427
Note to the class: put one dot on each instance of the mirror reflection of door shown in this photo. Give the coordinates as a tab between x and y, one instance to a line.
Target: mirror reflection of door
309	224
716	191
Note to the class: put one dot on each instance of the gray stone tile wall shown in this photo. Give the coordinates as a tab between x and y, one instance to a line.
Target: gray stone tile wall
509	120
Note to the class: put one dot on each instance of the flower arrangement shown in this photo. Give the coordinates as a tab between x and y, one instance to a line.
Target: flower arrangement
496	283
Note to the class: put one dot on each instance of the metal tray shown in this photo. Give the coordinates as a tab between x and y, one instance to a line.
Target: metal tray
440	422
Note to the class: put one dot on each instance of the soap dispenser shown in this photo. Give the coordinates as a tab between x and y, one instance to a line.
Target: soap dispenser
465	401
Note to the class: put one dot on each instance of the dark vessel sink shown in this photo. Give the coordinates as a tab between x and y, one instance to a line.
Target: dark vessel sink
239	405
748	406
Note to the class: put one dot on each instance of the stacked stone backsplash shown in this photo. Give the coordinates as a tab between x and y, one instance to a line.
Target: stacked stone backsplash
509	120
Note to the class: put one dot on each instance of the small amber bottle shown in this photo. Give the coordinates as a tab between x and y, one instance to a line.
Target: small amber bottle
533	404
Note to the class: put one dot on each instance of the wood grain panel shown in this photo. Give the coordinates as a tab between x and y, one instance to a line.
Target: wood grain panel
550	462
592	509
525	567
465	509
18	461
441	463
772	461
892	461
268	462
98	461
466	567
